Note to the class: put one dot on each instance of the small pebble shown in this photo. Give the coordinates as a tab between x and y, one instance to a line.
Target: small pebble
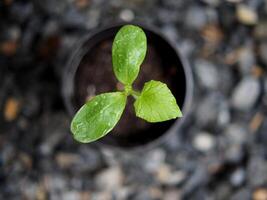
212	33
224	115
127	15
246	94
26	160
12	108
84	195
246	59
66	160
169	177
238	177
111	179
207	74
260	194
172	194
236	133
234	153
204	141
9	48
170	32
246	15
154	159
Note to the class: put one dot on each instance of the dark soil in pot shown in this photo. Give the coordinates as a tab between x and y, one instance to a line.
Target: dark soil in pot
92	75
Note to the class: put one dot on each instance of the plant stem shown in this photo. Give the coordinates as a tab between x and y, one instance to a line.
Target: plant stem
130	91
135	94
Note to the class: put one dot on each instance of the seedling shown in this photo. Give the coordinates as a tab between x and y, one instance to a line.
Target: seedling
155	103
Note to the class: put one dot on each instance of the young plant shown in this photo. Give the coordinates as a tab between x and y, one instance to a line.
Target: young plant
155	103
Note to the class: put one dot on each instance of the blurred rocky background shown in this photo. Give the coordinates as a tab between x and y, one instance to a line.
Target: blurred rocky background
221	153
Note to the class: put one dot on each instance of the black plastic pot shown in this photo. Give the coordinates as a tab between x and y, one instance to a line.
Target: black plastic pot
181	85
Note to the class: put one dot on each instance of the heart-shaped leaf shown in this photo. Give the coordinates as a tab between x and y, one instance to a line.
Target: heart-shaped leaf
156	103
98	116
128	52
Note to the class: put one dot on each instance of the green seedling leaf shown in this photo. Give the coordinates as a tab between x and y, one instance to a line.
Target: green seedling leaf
98	116
128	52
156	103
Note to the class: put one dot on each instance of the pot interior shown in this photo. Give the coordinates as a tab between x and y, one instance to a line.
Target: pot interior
93	75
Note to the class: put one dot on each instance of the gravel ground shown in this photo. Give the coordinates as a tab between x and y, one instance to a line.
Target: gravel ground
219	154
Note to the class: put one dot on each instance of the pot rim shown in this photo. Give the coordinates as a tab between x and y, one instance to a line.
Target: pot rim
189	88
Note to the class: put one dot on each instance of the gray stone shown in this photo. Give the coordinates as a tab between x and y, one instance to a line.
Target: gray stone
234	153
102	195
28	188
260	30
212	2
257	171
212	15
70	195
186	46
124	193
237	178
142	195
55	195
246	59
243	194
222	192
234	1
31	106
72	18
263	52
166	16
13	32
227	79
53	133
195	17
90	160
92	18
154	159
199	178
48	145
236	133
207	110
55	182
224	115
246	93
21	11
7	153
53	7
207	74
170	32
173	3
50	28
